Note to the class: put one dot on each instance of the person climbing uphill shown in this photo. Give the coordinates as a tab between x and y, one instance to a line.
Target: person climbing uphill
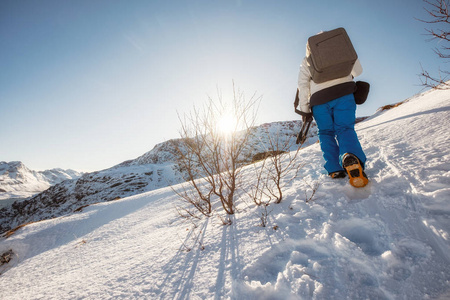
325	92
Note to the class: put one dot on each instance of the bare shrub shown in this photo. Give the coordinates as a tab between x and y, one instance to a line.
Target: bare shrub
256	191
212	155
314	186
271	170
438	26
280	165
264	214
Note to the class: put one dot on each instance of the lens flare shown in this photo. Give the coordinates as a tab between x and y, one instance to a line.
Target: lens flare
226	124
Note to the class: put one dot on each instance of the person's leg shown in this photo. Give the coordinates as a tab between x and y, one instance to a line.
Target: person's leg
344	122
324	119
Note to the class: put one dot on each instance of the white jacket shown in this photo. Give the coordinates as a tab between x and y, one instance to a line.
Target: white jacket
308	87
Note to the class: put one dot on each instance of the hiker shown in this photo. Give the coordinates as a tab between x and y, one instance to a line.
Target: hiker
332	104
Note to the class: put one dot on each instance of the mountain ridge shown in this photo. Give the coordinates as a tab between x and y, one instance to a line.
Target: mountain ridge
17	181
154	169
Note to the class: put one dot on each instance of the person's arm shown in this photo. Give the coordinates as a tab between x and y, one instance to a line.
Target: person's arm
357	68
304	90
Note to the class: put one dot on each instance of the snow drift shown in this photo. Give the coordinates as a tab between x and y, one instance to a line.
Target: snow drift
389	240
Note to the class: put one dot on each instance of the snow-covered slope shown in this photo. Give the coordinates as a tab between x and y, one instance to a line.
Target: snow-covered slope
153	170
389	240
17	181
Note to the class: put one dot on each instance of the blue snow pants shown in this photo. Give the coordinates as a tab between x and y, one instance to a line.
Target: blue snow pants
336	123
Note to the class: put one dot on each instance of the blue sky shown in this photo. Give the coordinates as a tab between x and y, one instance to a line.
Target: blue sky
88	84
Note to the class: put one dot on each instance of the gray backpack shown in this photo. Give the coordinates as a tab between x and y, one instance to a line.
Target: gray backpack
330	55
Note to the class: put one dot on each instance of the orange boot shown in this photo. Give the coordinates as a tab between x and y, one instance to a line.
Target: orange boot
355	172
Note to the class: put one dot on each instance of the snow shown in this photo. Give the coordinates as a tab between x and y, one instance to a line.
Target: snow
389	240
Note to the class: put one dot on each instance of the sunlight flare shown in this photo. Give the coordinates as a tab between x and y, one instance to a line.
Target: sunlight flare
226	124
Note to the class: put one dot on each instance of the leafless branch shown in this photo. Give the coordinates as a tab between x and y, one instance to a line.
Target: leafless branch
282	162
211	155
313	187
438	12
438	83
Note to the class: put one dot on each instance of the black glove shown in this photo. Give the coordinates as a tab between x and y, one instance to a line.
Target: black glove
297	100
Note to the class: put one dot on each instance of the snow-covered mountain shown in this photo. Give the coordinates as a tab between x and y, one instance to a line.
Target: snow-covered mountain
17	181
389	240
153	170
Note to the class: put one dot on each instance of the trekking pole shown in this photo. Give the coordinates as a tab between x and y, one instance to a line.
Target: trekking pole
301	137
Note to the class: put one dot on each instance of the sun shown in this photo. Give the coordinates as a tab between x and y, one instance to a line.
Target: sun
226	124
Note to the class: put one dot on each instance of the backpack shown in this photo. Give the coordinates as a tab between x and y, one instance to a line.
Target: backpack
330	55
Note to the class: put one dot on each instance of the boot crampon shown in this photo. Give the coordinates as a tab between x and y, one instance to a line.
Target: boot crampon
352	165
